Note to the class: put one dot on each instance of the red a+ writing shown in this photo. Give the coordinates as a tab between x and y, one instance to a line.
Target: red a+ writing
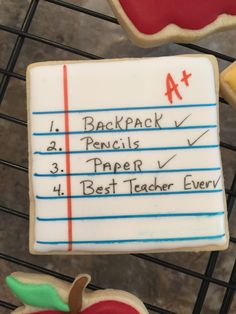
172	88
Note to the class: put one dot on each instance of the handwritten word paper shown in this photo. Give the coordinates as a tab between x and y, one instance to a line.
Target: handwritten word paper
125	156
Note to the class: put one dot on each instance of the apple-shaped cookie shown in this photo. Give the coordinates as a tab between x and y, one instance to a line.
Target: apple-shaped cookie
228	84
154	22
42	294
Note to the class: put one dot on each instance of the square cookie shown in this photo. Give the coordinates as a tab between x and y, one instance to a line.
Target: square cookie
124	156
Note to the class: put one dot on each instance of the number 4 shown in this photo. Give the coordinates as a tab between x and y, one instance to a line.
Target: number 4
58	190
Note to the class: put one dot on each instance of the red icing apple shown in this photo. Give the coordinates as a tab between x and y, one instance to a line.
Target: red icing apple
150	16
103	307
145	19
41	291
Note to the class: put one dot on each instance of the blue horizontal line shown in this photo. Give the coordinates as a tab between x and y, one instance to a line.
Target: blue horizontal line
128	130
124	172
125	150
127	195
135	240
133	216
123	108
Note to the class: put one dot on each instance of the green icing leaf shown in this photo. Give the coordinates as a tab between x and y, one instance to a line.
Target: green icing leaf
38	295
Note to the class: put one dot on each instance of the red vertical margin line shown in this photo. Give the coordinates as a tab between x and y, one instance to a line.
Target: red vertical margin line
67	149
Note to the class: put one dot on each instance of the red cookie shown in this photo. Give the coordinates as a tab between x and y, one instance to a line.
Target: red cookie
154	22
43	294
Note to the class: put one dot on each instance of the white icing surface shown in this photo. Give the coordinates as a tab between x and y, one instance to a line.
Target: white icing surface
175	201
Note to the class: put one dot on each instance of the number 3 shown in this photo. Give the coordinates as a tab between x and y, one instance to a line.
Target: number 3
55	170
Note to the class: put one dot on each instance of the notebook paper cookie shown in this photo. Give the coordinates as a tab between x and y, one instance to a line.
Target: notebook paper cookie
124	156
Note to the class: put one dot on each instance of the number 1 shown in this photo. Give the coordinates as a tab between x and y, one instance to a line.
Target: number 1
51	127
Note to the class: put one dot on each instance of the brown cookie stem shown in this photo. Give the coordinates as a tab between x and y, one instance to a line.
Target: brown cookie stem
75	299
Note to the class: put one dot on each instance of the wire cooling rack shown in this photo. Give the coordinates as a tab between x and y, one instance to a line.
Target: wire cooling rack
205	278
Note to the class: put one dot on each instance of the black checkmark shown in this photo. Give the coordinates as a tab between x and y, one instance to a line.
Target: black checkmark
216	182
191	144
162	166
179	124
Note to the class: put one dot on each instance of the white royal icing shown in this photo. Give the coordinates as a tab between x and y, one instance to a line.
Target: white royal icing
144	170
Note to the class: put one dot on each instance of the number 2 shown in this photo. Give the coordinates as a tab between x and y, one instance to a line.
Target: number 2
52	146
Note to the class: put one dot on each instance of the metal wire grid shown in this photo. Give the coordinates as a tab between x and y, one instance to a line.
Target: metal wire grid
206	278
